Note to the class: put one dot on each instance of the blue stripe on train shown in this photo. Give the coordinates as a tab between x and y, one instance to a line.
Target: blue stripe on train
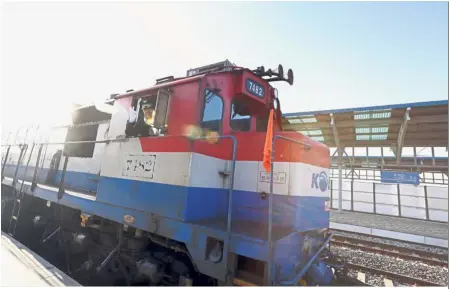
195	204
76	180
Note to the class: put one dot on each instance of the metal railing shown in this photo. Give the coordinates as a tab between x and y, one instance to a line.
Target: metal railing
231	188
24	146
66	160
21	146
270	276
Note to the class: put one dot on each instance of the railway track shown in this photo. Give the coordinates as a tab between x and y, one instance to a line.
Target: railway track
394	251
389	277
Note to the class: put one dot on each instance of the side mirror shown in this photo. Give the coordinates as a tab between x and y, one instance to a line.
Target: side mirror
161	109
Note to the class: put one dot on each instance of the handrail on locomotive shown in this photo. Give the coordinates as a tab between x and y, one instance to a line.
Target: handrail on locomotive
270	203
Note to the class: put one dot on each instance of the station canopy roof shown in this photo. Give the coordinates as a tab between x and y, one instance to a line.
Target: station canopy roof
421	124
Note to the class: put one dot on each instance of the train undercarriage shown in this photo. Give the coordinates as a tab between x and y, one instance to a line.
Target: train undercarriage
98	252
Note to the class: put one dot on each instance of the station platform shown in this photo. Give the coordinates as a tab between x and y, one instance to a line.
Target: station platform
22	267
399	228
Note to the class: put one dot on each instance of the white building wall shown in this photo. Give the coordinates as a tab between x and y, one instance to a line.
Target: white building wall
384	199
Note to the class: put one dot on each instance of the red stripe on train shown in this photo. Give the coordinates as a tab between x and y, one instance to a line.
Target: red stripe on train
250	147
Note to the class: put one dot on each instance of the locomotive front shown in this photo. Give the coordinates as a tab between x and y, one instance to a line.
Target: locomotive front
280	191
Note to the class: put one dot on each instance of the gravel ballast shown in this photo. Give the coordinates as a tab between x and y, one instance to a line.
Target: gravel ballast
413	269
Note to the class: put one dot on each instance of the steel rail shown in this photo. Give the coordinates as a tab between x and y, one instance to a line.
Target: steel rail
396	253
387	238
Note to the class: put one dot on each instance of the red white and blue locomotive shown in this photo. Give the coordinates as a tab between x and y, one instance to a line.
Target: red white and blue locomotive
167	185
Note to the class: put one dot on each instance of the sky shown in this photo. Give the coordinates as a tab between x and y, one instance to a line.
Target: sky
343	54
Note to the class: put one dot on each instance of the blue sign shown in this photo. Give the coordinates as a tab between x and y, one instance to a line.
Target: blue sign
255	88
400	177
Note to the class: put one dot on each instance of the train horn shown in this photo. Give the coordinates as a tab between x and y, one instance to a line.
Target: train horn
275	75
290	77
280	75
280	71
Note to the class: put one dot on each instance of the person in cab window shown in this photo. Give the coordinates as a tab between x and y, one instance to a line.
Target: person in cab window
148	109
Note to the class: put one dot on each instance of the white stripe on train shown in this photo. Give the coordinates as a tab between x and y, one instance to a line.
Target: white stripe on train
197	170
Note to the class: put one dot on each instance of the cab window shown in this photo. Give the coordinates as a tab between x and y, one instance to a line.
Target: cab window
240	116
143	124
213	111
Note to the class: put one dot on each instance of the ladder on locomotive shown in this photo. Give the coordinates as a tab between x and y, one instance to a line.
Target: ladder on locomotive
18	194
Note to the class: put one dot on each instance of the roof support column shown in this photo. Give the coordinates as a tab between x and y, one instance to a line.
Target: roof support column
340	154
433	156
401	137
335	133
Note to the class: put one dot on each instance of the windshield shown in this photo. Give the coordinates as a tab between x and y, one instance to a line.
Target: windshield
240	116
213	111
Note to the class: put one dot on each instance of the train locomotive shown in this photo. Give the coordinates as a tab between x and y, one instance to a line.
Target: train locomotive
167	186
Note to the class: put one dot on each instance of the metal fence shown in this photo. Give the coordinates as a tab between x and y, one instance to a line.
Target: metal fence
426	202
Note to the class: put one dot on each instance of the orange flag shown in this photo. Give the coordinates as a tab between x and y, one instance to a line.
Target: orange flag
268	143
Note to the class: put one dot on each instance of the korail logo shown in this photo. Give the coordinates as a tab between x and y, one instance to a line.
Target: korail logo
320	181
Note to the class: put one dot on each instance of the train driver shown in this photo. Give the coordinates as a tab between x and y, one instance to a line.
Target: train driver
148	109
